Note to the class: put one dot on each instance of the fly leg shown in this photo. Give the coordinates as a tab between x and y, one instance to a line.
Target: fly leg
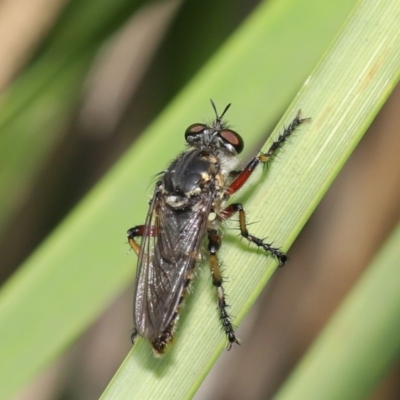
242	177
274	251
264	158
138	231
214	243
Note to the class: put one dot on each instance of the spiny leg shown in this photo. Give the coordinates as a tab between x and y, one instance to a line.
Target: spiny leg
264	158
287	131
214	243
237	207
242	177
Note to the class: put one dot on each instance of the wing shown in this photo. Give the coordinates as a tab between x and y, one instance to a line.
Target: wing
164	262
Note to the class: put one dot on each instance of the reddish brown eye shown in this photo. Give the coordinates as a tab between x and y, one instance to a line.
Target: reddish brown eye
193	131
232	138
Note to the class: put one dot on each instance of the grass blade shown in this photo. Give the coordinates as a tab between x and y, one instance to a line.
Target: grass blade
342	96
79	269
361	342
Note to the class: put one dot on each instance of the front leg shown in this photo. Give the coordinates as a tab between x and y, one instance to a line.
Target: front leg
263	158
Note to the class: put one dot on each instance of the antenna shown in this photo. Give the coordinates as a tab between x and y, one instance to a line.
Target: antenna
219	118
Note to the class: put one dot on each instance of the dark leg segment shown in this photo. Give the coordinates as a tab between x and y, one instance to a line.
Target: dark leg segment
237	207
263	158
214	243
139	231
134	336
283	137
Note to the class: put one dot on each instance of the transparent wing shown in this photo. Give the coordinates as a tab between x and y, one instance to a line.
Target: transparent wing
164	262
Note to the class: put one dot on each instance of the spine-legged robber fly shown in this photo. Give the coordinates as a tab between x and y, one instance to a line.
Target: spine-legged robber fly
189	202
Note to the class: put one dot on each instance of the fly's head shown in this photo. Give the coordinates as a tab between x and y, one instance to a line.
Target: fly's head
215	137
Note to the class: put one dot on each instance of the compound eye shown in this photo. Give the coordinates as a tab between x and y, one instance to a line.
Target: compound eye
232	139
194	131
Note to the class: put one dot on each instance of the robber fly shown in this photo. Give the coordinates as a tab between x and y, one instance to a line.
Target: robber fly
189	203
